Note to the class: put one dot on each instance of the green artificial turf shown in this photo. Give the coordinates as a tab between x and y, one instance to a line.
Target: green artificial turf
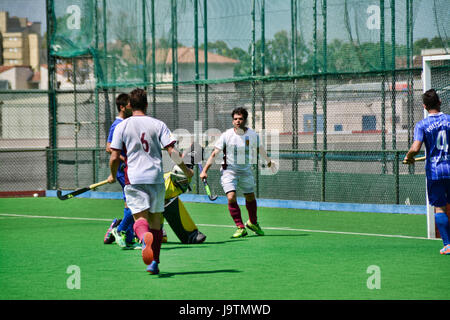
296	259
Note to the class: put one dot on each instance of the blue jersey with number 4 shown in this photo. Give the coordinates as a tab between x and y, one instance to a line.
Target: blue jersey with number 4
434	131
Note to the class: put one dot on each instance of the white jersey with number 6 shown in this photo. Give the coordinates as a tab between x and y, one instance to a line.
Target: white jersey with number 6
142	138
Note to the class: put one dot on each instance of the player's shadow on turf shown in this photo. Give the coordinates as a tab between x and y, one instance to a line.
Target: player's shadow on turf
280	235
197	245
171	274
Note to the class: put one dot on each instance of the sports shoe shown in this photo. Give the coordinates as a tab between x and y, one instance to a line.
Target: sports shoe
147	252
240	232
196	237
120	237
164	237
446	249
109	237
132	246
255	228
153	268
200	237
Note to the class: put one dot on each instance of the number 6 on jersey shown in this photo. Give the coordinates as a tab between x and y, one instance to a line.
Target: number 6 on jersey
144	142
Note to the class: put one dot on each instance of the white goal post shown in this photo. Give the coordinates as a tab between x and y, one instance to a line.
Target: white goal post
426	81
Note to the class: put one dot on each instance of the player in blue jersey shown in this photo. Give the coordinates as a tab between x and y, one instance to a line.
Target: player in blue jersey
434	131
123	230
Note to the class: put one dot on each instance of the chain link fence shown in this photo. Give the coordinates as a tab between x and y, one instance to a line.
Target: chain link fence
339	81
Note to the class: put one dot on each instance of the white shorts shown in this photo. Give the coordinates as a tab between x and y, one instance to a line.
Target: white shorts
231	180
141	197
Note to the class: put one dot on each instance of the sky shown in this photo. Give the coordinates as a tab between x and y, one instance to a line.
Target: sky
34	10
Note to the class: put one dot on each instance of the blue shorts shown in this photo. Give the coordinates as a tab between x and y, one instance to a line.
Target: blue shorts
438	192
121	179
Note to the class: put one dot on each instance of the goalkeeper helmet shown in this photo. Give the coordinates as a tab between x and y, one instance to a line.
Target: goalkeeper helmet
179	179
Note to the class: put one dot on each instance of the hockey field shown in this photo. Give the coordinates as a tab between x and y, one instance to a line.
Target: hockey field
53	250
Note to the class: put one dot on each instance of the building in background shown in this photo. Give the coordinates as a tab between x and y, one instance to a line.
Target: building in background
20	41
16	78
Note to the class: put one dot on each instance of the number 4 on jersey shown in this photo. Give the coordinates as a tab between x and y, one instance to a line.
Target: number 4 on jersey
441	141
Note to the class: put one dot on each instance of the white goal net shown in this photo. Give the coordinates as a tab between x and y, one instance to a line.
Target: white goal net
436	75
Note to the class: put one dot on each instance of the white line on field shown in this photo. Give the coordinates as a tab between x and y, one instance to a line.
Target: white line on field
227	226
50	217
332	232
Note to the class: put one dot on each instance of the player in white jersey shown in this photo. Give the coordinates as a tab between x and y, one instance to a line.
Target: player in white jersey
239	146
142	137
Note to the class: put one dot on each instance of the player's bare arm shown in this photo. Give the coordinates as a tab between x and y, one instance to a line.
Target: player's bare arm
413	151
177	158
114	161
270	163
108	147
209	162
109	150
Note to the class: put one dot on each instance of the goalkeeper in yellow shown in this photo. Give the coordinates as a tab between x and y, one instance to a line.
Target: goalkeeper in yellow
175	213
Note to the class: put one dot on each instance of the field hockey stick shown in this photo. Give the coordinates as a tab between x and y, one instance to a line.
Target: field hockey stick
205	183
79	191
416	159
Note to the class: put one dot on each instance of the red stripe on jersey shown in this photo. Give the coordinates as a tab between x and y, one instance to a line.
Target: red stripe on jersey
125	171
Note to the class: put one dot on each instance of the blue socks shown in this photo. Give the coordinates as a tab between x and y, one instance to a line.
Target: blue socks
127	225
441	220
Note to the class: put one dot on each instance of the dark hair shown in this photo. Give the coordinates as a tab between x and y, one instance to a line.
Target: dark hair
122	100
431	100
241	111
138	99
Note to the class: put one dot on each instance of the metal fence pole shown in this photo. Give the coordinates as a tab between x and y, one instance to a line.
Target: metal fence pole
325	147
174	26
77	124
397	177
393	102
144	43
393	91
294	109
253	60
153	58
105	42
197	88
263	97
383	83
52	174
97	135
205	41
315	84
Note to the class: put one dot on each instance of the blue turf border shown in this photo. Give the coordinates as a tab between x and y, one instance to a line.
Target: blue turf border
276	203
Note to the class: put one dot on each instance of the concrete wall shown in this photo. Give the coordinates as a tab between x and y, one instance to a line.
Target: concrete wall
17	77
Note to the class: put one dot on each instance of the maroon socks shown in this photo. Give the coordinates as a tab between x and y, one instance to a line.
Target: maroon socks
156	244
235	213
251	208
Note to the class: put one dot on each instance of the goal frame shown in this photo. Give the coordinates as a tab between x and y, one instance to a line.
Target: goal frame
426	83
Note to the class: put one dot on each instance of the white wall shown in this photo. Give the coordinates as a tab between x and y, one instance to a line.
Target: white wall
17	77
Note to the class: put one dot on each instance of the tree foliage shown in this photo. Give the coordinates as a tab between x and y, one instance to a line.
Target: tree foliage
341	56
